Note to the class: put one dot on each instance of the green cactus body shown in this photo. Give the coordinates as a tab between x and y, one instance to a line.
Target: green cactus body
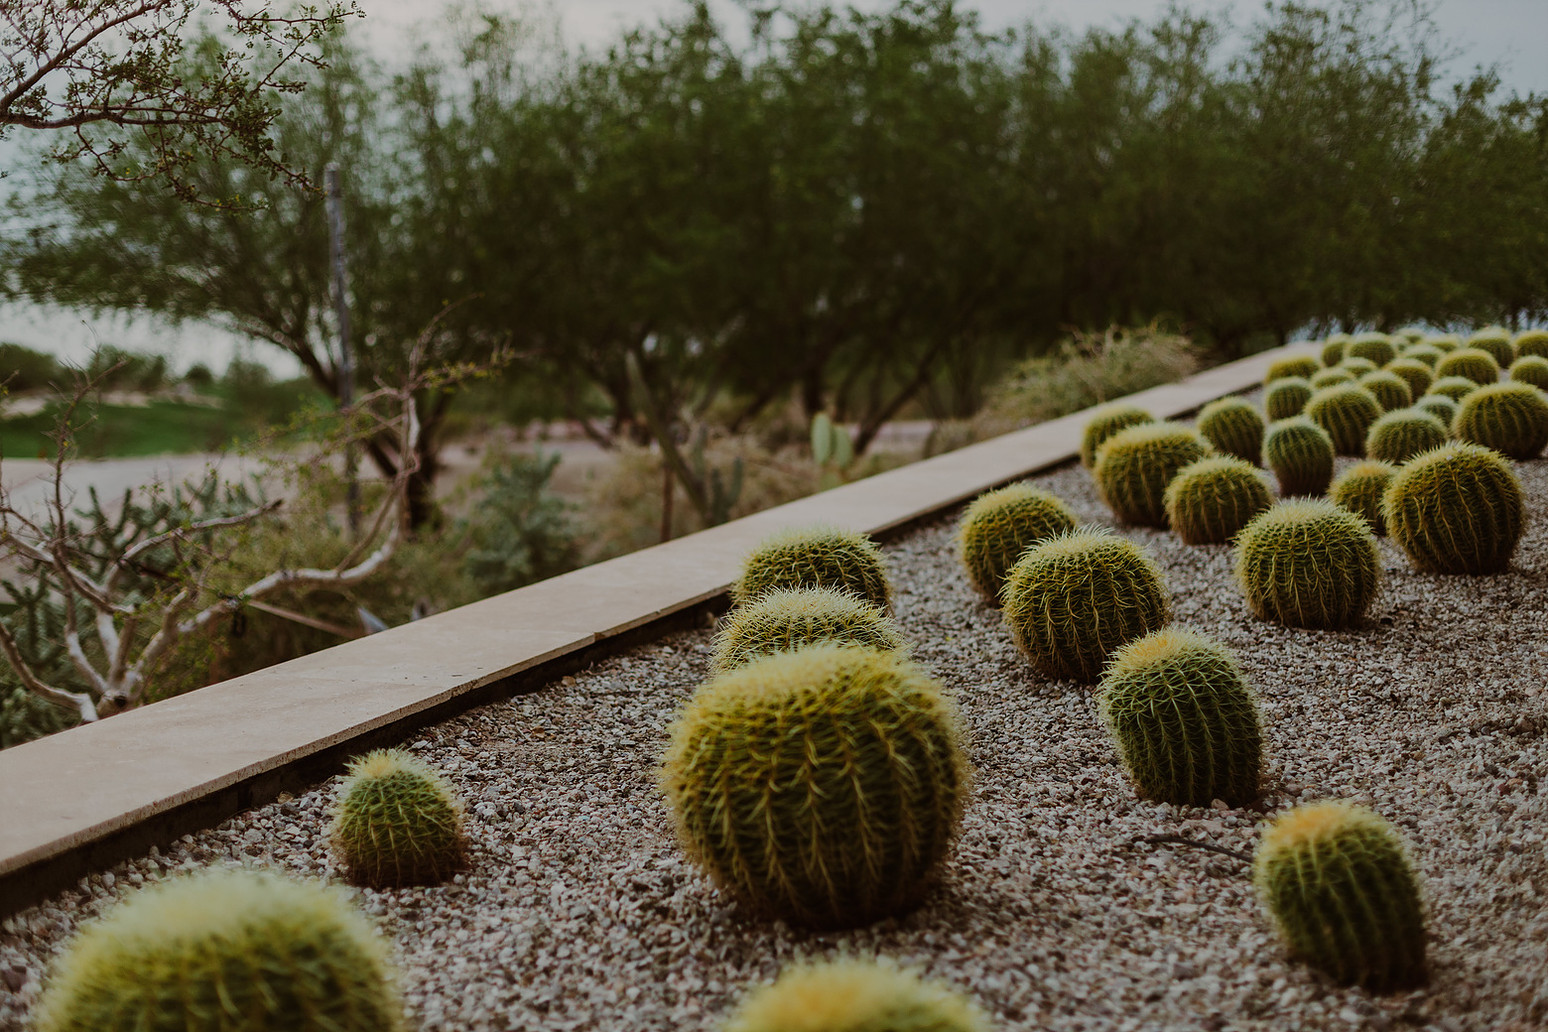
1358	367
1208	501
1360	489
1496	341
1531	343
1454	387
1334	377
1283	368
1398	436
1072	600
1412	372
1376	348
1184	719
821	786
1469	363
1439	406
1300	453
225	951
397	822
1233	426
1106	422
1308	563
1391	390
1444	342
1531	369
1134	466
1346	412
1285	398
1333	350
1427	354
855	996
785	619
1511	418
1409	335
1456	509
1000	525
1337	881
815	557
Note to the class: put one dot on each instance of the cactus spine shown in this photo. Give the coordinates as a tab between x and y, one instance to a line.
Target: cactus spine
1427	354
1308	563
1234	427
1469	363
785	619
1333	350
1398	436
1376	348
1285	398
1346	412
1301	455
1358	367
1456	509
1531	342
1208	501
1106	422
1134	466
1439	406
1496	341
1000	525
1412	372
1360	489
855	996
397	822
1445	343
1454	387
1391	390
1532	369
1331	378
1300	366
1511	418
815	557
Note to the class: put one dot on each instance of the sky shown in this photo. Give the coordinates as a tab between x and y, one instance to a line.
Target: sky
1482	33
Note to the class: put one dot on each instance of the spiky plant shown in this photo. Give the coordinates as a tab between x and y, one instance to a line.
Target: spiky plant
1233	426
1072	600
1454	387
1308	563
1106	422
397	821
855	996
1134	466
815	557
1285	398
1346	412
1412	372
1360	489
1496	341
822	786
1376	348
1427	354
1532	369
225	951
1332	352
1531	343
1300	454
1000	525
1470	363
1338	883
1334	377
1511	418
1409	335
1295	366
1456	509
1398	436
1439	406
1445	343
785	619
1208	501
1184	719
1391	390
1358	367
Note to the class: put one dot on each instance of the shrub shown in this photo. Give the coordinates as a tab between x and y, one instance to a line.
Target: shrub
785	619
1360	489
1000	525
854	996
1234	427
1184	719
1398	436
1456	509
1286	398
1412	372
1333	350
1511	418
1440	406
1531	369
816	557
1134	466
1072	600
1338	883
1300	453
1208	501
222	951
1391	390
1496	341
1300	366
822	786
397	822
1470	363
1358	367
519	532
1376	348
1330	378
1346	412
1531	343
1106	422
1454	387
1308	563
1426	354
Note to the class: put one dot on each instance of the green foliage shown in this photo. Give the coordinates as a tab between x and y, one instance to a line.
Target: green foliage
1333	350
518	532
1532	369
1416	374
1533	343
815	557
1376	348
1338	883
1427	354
1360	489
1286	398
1308	563
1208	501
1496	341
1398	436
1087	369
1456	509
854	996
24	716
1325	378
1073	600
1104	423
1298	366
1391	391
1511	418
1441	406
397	821
1184	719
1346	412
1134	466
1473	364
1358	367
1300	453
1233	426
822	786
1454	387
34	614
23	369
225	951
786	619
998	526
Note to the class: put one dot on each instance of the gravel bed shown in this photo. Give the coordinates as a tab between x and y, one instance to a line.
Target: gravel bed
579	912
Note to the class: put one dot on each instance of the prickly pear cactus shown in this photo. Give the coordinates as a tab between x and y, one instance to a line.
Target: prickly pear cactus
1337	881
1134	466
1376	348
1106	422
1532	369
1412	372
1391	390
225	951
1398	436
1346	412
1454	387
854	995
822	786
1456	509
1511	418
1308	563
1333	377
1300	454
1469	363
1439	406
1360	489
815	557
1496	341
398	822
1233	426
1000	525
785	619
1208	501
1531	342
1300	366
1285	398
1333	350
1184	719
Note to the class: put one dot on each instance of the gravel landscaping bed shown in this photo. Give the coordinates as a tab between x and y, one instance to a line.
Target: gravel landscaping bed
578	910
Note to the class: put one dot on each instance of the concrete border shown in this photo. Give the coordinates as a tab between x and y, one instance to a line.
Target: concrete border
84	799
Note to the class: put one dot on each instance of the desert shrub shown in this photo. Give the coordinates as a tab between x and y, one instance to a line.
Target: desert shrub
518	531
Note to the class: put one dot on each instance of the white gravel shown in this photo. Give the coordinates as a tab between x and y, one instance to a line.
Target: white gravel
579	912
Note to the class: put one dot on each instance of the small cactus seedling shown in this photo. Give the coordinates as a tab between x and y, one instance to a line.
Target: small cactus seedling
1184	720
1391	390
1334	377
1454	387
1511	418
1301	455
1445	343
225	951
1398	436
1531	342
1134	466
1106	422
1456	509
821	786
1071	601
398	822
1532	369
1360	489
1427	354
1333	350
1470	363
1283	368
1439	406
1496	341
785	619
1000	525
1346	412
855	996
1208	501
815	557
1233	426
1285	398
1376	348
1412	372
1337	881
1308	563
1358	367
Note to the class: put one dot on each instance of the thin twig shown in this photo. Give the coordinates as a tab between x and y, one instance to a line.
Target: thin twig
1195	843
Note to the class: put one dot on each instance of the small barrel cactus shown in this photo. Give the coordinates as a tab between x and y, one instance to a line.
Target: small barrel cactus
1531	342
1470	363
1439	406
1333	350
1376	348
1360	489
1398	436
1285	398
1391	390
1301	455
1412	372
855	996
1074	599
1337	881
398	822
1000	525
1456	509
1308	563
785	619
1511	418
1532	369
822	786
1334	377
1296	366
1346	412
1496	341
1233	426
815	557
1184	719
1408	335
1208	501
223	951
1358	367
1427	354
1445	343
1134	466
1105	422
1454	387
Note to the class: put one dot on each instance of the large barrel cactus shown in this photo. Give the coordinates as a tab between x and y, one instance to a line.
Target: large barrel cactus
1134	466
815	557
1376	348
1457	509
1531	342
1391	390
1308	563
1285	368
1105	422
1234	426
853	995
1285	398
1445	343
1439	406
1208	501
1335	377
1332	352
1454	387
1000	525
1471	364
1346	412
398	822
785	619
1428	354
1532	369
1398	436
1358	367
1416	374
1496	341
1511	418
1360	489
1300	453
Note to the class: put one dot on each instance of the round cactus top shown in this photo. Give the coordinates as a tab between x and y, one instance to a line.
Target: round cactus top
854	996
1307	825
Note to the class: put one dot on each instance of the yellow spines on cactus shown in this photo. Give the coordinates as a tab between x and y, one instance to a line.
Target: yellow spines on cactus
1300	453
1391	390
1105	422
1286	397
1445	343
1398	436
1332	352
1470	363
1000	525
1426	354
1324	378
1346	412
1532	369
785	619
398	822
1300	366
1416	374
1376	348
1208	501
815	557
1308	563
1496	341
1456	509
1360	489
1439	406
1358	367
1531	342
1232	426
1134	466
1511	418
855	996
1454	387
